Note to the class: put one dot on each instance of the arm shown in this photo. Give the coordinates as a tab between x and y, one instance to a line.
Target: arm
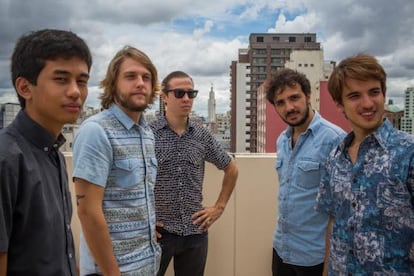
3	263
206	217
327	245
89	200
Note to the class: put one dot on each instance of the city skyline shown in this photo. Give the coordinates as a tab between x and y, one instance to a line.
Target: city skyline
202	38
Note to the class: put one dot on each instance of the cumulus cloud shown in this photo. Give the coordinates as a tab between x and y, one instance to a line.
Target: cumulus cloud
203	37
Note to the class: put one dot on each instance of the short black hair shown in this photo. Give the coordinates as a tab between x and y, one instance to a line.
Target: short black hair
33	49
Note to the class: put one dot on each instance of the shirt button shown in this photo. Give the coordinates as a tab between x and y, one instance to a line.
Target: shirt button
68	226
70	255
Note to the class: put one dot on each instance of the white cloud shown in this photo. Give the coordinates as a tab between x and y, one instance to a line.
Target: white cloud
203	37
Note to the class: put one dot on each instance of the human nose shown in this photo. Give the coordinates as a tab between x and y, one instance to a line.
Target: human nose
74	90
367	101
289	106
140	81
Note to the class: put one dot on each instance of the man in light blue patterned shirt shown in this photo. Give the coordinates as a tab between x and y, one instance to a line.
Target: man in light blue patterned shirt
368	186
114	171
299	240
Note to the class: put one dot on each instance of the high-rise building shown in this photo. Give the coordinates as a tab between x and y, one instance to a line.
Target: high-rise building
407	121
267	52
8	112
211	107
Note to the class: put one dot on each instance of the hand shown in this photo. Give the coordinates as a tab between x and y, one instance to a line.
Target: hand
158	234
206	217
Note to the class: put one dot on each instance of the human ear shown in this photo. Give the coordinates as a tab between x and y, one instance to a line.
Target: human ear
23	88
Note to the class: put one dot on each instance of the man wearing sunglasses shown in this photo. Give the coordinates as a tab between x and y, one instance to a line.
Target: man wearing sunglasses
182	147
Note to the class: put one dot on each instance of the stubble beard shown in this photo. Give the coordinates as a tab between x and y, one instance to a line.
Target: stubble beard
125	103
302	121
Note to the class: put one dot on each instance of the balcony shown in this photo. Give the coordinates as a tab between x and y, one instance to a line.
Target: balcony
240	242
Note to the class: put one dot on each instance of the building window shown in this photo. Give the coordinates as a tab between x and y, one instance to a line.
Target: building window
276	51
308	39
292	39
311	65
300	64
259	39
276	38
306	65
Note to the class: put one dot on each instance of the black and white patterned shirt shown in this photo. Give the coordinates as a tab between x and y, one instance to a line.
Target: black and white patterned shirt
179	185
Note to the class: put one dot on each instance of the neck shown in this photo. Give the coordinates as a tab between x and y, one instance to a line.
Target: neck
134	115
177	124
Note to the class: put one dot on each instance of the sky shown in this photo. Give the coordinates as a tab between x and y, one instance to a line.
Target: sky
203	37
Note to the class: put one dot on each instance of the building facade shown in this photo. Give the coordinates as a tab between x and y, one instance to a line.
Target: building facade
8	112
266	53
407	121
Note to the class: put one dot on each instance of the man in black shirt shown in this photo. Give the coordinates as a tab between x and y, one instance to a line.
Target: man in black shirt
50	72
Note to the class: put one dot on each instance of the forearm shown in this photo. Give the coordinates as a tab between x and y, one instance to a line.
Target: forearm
229	182
97	236
3	263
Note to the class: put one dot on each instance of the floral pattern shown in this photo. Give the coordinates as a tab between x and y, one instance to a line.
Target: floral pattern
372	203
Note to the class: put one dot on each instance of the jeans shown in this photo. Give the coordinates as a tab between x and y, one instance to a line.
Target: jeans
189	253
279	268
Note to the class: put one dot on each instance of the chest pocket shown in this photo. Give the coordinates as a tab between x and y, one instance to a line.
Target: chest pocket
129	172
309	175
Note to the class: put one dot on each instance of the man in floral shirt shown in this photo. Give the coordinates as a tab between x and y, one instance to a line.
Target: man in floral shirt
368	185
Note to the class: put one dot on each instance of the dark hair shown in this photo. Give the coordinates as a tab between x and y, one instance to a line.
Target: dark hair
109	82
165	85
361	67
283	78
33	49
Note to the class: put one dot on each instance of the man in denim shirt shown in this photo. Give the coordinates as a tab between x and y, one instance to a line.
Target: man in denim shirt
368	187
299	240
114	171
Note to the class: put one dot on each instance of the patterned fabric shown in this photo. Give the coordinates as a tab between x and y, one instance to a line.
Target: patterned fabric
373	205
112	151
178	191
299	237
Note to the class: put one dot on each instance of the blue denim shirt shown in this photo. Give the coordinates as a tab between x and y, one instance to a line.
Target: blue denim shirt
114	152
372	201
299	237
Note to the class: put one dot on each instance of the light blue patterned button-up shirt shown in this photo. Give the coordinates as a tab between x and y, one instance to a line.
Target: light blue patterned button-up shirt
373	205
300	232
114	152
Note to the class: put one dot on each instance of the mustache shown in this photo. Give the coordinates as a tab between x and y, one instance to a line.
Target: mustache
291	112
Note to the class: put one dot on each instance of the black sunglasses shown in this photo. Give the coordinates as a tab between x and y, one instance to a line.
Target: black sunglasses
179	93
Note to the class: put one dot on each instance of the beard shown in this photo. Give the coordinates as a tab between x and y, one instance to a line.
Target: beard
301	121
128	105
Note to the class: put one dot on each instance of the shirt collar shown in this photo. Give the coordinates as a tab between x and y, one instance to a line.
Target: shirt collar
124	119
36	134
162	123
380	135
313	126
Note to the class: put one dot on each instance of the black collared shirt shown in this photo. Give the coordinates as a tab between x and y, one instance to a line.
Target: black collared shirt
180	175
35	203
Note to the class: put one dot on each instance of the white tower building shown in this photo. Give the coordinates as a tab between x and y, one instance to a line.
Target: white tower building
211	107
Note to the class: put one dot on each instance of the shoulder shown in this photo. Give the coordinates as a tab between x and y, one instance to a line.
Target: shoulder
12	138
326	125
201	133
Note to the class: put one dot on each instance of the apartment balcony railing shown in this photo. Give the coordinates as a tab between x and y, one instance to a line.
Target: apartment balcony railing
240	242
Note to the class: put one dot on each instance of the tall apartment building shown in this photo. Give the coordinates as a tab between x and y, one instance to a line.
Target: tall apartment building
8	112
407	121
266	53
